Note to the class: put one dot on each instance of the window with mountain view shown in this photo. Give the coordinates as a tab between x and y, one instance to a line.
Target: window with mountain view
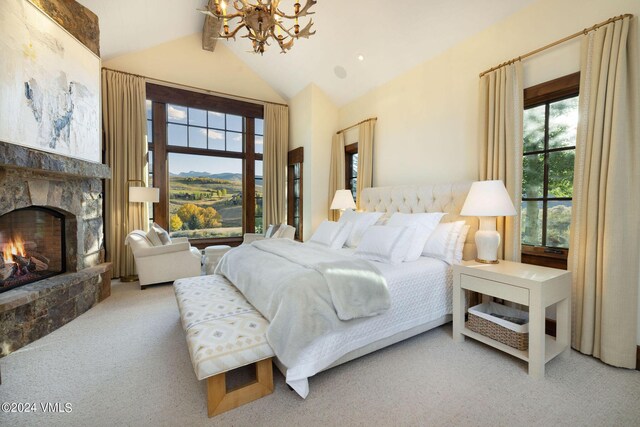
549	142
213	163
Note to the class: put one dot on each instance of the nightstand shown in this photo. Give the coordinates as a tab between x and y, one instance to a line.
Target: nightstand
530	285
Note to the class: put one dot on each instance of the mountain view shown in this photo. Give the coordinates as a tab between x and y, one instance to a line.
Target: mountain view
206	205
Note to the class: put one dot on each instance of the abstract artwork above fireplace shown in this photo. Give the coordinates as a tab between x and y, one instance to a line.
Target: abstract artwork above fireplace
49	85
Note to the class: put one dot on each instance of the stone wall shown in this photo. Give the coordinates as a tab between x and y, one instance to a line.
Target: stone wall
75	18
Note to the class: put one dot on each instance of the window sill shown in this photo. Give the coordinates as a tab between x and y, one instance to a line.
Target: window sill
203	243
537	256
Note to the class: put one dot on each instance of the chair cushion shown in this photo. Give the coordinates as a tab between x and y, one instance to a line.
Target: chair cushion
224	331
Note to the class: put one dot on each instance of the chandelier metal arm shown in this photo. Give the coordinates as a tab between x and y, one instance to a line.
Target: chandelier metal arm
304	33
303	12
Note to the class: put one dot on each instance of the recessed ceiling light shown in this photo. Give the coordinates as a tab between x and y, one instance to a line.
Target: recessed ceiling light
360	57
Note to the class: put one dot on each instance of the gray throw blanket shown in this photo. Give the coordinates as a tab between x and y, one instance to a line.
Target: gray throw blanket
304	290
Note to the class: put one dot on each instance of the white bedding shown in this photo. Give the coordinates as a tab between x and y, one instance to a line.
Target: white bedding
421	292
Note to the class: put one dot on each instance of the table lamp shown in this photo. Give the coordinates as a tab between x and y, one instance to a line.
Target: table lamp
342	200
488	200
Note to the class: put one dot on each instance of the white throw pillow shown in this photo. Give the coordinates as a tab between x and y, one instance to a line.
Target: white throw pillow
385	243
331	234
457	257
424	224
361	221
162	234
152	236
279	231
443	241
269	231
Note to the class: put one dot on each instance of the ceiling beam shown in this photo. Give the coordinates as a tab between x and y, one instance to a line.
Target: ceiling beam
210	30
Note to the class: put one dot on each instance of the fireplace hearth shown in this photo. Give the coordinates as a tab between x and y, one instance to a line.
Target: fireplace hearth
32	243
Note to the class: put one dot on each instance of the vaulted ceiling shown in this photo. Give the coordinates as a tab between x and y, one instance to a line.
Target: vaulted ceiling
392	37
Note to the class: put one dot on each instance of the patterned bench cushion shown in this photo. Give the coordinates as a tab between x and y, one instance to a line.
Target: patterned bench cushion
224	331
206	298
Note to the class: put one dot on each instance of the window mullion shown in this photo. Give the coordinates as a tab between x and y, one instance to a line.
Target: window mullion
545	182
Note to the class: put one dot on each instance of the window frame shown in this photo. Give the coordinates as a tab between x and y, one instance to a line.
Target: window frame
349	152
295	157
542	94
161	96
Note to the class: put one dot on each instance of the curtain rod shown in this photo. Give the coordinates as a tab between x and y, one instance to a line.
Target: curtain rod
357	124
210	92
550	45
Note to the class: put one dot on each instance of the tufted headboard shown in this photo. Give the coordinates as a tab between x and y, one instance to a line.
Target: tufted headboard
447	198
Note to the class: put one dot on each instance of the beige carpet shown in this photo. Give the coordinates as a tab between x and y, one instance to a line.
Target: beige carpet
125	362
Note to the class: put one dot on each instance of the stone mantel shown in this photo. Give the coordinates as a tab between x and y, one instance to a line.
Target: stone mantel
18	156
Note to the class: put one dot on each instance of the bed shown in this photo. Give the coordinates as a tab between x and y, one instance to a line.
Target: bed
420	291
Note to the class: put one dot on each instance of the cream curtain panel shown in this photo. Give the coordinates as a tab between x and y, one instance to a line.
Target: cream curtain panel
125	129
365	157
500	136
276	144
336	172
604	256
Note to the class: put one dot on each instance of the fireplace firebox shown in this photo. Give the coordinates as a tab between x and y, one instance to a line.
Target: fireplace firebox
32	246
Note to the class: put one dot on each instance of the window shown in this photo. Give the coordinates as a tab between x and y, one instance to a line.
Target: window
351	168
211	151
150	155
549	139
259	139
294	190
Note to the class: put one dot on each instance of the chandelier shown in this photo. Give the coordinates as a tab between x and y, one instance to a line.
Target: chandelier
263	21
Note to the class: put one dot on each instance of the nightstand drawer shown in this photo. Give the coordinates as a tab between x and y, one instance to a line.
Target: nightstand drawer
495	289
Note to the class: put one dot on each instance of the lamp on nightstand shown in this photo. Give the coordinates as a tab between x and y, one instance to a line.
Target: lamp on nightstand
342	200
488	200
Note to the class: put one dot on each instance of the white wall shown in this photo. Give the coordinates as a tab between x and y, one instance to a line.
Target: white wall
314	119
184	62
427	117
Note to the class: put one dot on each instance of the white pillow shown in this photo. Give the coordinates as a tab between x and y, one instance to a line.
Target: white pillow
152	236
278	231
269	231
161	234
424	223
442	243
457	257
331	234
385	243
361	221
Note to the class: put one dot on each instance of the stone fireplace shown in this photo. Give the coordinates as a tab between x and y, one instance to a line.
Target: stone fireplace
51	229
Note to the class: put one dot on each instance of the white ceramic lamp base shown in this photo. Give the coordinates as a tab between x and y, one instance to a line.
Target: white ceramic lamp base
487	240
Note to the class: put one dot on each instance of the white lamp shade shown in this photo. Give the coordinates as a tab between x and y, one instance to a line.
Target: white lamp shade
343	200
144	194
488	198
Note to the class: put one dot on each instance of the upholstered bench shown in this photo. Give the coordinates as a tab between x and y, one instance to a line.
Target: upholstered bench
224	332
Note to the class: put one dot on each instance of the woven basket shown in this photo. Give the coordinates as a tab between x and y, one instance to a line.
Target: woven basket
497	332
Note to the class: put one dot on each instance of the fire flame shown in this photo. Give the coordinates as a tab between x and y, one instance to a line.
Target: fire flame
13	247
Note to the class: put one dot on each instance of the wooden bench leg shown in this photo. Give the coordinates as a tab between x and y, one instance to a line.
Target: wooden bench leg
219	400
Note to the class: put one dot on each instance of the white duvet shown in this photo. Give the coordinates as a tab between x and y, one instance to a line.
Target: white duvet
420	293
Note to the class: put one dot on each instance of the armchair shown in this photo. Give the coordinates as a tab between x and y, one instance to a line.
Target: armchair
284	232
166	263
